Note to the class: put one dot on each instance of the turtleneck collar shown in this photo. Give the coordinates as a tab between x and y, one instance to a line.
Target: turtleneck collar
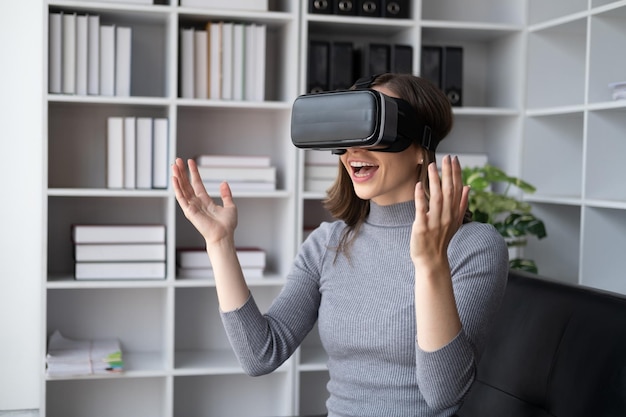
401	214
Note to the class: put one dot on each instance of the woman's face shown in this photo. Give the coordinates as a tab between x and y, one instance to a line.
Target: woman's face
383	177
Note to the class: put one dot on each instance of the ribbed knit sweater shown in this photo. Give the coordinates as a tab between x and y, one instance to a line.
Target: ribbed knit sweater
365	308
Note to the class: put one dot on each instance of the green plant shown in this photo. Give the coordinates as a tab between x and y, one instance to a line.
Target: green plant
510	216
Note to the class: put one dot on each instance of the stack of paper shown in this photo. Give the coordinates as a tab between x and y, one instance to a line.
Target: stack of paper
67	357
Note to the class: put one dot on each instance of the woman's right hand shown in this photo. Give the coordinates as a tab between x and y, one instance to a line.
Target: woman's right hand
214	222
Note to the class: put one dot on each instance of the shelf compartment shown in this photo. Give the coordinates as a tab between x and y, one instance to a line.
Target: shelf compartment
541	10
562	83
136	316
548	142
313	393
558	254
604	239
486	11
63	212
204	396
606	64
140	397
605	150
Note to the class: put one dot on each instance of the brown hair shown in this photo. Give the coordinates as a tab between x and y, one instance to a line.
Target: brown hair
433	108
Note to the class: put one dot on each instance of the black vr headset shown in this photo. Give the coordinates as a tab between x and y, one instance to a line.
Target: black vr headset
363	118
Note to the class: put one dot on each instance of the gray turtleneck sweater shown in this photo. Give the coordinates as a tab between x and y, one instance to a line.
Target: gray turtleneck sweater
365	308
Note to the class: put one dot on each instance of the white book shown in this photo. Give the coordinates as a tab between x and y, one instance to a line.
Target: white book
145	2
249	257
93	55
317	185
130	151
119	252
107	60
215	60
82	43
201	64
69	53
325	172
55	52
115	152
251	174
251	5
249	63
227	61
240	186
118	233
160	163
233	160
119	270
260	47
207	273
143	161
123	55
187	63
238	60
314	157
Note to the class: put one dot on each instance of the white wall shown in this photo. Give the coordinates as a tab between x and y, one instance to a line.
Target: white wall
22	26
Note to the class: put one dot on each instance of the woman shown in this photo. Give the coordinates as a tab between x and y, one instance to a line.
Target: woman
403	285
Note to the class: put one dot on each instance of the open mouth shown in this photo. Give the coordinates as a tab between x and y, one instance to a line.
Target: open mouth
362	169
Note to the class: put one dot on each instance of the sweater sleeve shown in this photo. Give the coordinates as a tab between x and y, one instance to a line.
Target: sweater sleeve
262	342
478	258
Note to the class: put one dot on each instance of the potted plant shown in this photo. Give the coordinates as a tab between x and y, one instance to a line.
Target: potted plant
512	217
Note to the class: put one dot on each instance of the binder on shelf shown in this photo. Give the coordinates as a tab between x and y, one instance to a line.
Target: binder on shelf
130	143
93	55
369	8
115	153
402	59
238	60
261	45
107	60
345	7
452	74
398	9
160	162
119	270
119	252
321	6
341	65
144	153
250	64
55	52
376	58
123	56
69	53
82	45
214	82
431	64
118	233
318	66
227	61
187	63
201	64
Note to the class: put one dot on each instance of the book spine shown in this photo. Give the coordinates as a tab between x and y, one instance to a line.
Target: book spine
115	152
130	151
123	54
144	153
69	53
82	39
107	60
160	154
93	56
187	63
55	65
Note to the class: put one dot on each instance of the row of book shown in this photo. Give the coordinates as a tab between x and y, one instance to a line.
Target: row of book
103	252
79	357
335	65
250	5
137	153
224	61
398	9
242	172
194	263
88	58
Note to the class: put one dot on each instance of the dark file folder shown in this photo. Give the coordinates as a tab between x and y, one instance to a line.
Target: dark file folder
321	6
317	71
431	64
398	9
453	74
402	59
341	74
376	58
345	7
370	8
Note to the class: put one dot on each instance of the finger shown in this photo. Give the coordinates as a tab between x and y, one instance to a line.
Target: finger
227	195
179	171
421	205
196	183
457	176
434	184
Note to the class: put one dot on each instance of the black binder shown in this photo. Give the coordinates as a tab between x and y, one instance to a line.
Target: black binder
376	59
431	64
453	74
321	6
341	64
345	7
402	59
398	9
369	8
317	73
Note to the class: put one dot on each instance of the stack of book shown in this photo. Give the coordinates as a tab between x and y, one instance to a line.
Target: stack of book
243	173
87	57
119	251
67	357
223	61
137	153
320	170
194	263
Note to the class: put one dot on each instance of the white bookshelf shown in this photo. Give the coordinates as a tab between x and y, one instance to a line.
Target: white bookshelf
572	143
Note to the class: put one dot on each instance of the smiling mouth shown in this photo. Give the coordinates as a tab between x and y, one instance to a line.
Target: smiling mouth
362	169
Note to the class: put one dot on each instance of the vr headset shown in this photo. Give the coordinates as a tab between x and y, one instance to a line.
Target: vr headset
363	118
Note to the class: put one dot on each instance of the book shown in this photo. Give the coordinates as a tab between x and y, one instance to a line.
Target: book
115	152
317	185
260	38
93	55
318	66
250	5
187	63
143	161
328	172
107	60
315	157
249	257
249	62
160	163
207	273
233	160
240	186
214	29
91	252
130	152
238	61
227	61
119	270
402	59
123	56
55	51
252	174
82	39
201	64
69	53
341	65
131	233
376	58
